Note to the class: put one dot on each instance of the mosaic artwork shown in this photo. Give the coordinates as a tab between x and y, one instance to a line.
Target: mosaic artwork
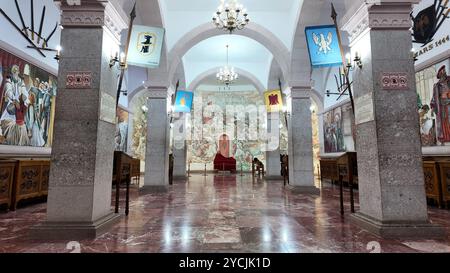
433	103
27	103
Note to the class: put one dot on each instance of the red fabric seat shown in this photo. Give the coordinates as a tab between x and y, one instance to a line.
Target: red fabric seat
222	163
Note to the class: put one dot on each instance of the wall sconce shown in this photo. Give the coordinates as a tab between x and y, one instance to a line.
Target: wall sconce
58	53
414	55
357	61
115	59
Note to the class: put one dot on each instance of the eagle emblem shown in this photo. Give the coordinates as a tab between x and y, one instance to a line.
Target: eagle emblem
323	43
273	100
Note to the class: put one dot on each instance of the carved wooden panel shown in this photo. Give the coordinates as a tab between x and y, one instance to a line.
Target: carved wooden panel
329	169
6	182
29	179
432	185
445	181
45	178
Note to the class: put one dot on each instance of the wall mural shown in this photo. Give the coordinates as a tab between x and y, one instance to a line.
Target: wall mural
121	137
27	103
139	135
433	87
205	150
334	131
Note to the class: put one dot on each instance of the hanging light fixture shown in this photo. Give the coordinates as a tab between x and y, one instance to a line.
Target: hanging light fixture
230	16
227	75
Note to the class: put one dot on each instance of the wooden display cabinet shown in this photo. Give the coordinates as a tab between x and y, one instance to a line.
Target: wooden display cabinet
31	180
329	169
445	182
432	184
7	168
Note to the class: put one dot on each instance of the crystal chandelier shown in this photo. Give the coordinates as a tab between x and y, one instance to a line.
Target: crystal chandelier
227	75
230	16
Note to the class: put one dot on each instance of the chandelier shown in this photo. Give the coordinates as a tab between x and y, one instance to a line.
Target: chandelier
230	16
227	75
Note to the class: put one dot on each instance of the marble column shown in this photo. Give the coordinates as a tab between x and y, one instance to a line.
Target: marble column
158	141
391	181
79	199
179	147
273	165
301	170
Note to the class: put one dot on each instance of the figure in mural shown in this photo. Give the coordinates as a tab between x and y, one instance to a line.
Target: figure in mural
46	107
333	132
32	120
440	105
426	126
122	131
16	132
14	104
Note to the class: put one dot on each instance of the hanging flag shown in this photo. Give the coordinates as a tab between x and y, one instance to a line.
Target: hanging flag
273	100
145	46
183	102
323	46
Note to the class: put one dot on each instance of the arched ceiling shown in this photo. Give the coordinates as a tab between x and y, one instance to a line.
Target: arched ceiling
209	83
244	53
180	16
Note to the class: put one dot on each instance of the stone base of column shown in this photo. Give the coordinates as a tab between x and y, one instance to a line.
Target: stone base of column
394	230
153	189
273	177
303	189
180	177
73	231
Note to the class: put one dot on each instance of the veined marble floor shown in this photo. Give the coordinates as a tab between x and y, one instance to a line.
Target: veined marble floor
225	214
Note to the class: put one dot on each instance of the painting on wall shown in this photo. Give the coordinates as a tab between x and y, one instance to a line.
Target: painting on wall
433	87
27	103
334	131
121	137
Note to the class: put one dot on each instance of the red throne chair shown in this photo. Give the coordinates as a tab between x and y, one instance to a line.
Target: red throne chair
222	163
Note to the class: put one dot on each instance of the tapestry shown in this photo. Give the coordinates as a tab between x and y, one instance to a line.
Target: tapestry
433	103
27	103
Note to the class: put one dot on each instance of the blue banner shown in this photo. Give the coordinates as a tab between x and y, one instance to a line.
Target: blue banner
323	46
183	102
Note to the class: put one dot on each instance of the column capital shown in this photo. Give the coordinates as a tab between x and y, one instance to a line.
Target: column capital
157	92
301	92
378	15
94	13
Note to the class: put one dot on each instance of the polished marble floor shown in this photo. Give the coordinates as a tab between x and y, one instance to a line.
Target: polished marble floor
224	214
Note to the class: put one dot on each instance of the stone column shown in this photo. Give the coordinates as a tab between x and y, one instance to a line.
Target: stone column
179	147
301	170
79	199
273	165
158	141
391	182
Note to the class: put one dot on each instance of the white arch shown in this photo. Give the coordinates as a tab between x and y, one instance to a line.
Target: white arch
242	73
207	30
